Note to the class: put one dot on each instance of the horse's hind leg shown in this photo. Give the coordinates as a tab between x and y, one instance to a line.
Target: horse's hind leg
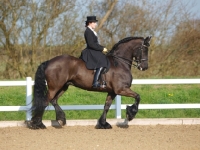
36	120
102	124
60	115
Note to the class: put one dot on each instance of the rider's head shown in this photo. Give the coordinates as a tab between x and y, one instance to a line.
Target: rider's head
91	21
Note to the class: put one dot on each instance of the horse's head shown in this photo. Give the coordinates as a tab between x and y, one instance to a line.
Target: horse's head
131	47
141	56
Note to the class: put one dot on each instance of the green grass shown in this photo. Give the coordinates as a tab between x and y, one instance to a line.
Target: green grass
150	94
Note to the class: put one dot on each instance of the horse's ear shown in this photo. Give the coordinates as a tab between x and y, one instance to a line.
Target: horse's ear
147	40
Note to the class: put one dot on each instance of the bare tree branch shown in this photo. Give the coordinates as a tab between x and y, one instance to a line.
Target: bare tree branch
107	14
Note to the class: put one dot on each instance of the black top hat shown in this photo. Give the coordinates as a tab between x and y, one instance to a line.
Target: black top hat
91	19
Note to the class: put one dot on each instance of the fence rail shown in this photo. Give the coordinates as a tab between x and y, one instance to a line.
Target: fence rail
117	106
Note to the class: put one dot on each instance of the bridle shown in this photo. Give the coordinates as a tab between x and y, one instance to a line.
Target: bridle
126	60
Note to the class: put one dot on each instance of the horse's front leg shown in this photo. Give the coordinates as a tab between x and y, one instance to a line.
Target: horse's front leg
132	110
102	124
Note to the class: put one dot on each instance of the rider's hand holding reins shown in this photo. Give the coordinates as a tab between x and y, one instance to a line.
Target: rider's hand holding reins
105	51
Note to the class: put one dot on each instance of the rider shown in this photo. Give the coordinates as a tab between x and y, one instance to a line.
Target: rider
93	55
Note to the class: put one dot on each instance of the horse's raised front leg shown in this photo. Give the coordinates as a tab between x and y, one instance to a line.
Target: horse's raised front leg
102	124
131	111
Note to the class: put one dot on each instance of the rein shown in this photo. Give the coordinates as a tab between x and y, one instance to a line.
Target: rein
124	60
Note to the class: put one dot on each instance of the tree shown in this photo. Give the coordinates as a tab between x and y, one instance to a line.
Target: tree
184	54
9	28
24	26
34	31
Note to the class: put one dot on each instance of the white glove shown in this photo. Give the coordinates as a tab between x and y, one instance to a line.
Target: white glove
105	51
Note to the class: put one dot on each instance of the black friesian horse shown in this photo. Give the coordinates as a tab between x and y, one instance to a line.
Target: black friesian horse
65	70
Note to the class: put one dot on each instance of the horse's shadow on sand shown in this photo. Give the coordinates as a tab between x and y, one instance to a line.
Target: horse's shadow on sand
123	124
55	124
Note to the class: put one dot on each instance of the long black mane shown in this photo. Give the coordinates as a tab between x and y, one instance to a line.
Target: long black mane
114	48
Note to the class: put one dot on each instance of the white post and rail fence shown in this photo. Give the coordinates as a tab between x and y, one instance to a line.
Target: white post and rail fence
117	106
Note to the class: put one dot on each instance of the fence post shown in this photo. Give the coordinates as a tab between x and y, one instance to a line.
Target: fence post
118	107
28	97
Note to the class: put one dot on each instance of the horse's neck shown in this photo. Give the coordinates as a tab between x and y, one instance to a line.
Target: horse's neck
124	59
126	51
126	54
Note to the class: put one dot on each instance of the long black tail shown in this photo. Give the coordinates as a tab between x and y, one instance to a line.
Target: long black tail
40	89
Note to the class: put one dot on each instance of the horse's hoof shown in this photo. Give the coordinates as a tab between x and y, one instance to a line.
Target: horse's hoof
34	126
103	126
131	111
42	126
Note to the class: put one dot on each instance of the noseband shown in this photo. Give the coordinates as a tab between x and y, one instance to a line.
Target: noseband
122	59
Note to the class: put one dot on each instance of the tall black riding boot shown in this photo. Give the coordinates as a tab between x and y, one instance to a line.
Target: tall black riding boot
97	75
